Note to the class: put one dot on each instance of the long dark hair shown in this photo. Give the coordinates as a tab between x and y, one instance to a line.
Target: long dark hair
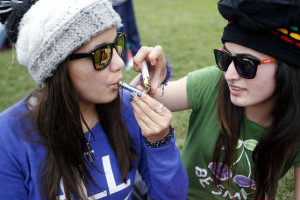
275	151
56	118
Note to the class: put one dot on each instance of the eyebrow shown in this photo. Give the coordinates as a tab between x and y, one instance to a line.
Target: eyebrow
98	45
241	54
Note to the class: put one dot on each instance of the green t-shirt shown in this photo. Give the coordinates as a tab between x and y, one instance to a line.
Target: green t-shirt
202	89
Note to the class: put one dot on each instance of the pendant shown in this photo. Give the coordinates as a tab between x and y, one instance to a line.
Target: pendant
89	153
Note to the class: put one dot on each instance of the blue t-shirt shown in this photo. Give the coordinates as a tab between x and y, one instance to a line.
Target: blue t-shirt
160	168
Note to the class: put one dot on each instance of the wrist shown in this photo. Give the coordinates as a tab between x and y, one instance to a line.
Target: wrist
169	72
168	76
161	142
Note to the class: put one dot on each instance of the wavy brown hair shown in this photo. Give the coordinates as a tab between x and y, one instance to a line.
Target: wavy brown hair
275	151
56	118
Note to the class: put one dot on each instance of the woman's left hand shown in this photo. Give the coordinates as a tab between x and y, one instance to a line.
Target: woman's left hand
153	118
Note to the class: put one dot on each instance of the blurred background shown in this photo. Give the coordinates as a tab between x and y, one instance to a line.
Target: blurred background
188	31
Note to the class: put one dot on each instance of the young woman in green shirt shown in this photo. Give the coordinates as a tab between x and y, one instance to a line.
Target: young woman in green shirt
244	130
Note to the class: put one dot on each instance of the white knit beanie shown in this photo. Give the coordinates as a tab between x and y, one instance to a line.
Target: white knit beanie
52	29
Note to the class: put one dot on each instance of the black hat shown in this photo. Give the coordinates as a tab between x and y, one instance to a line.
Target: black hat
268	26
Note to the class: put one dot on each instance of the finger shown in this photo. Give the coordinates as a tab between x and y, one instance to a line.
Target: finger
158	62
152	131
155	122
145	120
137	114
152	108
147	113
152	104
140	56
154	125
154	111
139	87
156	55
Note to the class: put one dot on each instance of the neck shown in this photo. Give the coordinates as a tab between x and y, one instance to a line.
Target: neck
260	114
89	115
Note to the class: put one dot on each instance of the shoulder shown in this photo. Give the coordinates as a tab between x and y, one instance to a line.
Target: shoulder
203	86
12	131
205	79
296	161
12	117
205	74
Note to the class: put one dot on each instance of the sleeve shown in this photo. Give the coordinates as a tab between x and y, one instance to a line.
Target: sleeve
201	85
12	176
163	172
12	181
296	162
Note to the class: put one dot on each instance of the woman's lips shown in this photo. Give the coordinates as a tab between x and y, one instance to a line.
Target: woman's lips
236	91
115	84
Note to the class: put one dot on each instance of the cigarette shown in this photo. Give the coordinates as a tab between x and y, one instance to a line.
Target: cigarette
130	88
146	76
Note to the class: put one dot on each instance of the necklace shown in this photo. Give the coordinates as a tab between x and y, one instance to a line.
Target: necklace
90	152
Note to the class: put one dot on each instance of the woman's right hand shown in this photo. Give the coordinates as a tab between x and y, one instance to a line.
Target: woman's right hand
156	62
174	95
153	118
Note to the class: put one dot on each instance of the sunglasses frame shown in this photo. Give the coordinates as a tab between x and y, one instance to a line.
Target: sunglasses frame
75	56
255	62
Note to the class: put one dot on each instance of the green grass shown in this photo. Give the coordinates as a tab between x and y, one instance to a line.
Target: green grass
187	30
15	81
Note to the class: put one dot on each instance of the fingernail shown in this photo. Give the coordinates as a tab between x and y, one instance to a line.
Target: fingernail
132	95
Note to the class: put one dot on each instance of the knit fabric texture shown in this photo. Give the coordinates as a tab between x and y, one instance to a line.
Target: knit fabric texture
52	29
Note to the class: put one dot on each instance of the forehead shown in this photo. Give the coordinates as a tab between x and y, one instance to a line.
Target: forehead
235	49
107	36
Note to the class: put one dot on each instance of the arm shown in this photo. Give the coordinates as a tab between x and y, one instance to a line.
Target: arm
297	182
12	178
175	95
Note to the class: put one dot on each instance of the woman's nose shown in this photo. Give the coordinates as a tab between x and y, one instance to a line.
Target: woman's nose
117	62
231	73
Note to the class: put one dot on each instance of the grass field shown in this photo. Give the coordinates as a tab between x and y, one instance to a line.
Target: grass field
187	30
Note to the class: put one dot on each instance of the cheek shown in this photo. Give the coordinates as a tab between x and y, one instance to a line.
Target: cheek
90	83
265	91
84	78
92	86
264	86
90	90
78	74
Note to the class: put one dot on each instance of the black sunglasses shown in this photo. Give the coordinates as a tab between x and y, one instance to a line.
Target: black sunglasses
245	66
102	55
